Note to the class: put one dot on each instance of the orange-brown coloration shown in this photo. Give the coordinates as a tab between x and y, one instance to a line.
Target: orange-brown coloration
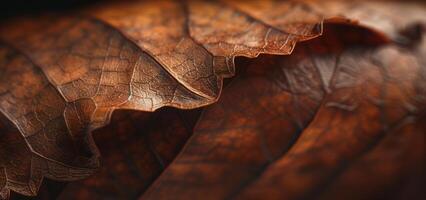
298	126
309	126
77	70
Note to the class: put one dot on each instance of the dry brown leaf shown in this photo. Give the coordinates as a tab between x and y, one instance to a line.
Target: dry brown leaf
69	73
63	75
136	147
327	122
387	17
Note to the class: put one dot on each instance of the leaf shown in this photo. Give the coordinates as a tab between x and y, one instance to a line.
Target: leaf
69	73
334	120
377	15
63	75
136	147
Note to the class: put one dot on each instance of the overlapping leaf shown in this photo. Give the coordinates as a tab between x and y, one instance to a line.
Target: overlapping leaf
346	122
62	76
